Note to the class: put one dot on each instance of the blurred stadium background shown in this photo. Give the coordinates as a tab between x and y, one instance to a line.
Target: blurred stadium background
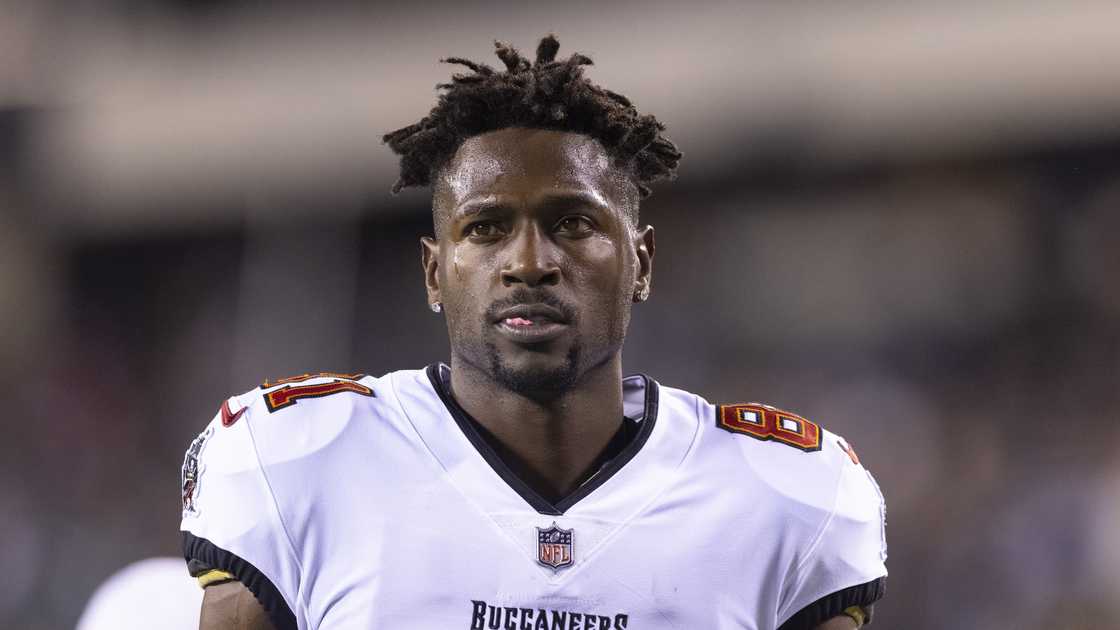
899	219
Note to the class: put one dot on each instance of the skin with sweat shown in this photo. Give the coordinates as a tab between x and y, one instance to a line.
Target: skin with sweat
529	217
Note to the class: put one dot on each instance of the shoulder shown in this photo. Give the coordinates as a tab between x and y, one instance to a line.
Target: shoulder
286	420
295	416
788	457
251	477
818	486
808	483
826	500
783	447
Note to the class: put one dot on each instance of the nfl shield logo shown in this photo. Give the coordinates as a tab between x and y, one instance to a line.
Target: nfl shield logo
554	547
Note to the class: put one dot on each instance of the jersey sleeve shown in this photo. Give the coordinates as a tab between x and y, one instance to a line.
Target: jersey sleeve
844	566
230	522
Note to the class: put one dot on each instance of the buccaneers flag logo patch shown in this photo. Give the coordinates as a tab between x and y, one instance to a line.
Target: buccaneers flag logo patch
554	547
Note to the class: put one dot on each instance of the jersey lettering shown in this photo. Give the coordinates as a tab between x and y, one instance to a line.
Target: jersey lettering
767	423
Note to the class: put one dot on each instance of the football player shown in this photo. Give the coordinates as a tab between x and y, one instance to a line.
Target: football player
528	484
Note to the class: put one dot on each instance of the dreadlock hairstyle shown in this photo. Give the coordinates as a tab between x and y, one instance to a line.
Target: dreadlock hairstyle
546	94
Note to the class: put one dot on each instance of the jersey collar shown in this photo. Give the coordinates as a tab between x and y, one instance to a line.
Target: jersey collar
640	404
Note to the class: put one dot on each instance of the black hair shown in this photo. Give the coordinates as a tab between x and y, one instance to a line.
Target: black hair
546	94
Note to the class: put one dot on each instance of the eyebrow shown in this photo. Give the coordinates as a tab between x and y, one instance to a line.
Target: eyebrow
476	206
575	197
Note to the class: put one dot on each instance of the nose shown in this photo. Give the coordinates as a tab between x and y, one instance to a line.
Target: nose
531	260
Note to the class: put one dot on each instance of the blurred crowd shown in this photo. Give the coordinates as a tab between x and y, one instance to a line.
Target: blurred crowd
955	313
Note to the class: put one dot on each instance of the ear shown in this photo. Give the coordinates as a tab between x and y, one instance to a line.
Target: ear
644	247
429	260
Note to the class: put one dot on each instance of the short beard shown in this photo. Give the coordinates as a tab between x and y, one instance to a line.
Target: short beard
539	385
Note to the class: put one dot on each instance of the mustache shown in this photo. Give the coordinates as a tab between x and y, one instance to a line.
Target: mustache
531	296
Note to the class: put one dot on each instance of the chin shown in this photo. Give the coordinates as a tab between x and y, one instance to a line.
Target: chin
535	374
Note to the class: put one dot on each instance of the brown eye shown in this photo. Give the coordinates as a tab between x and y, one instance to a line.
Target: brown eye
483	229
574	225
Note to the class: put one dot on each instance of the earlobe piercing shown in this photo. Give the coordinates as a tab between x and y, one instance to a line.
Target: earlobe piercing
436	307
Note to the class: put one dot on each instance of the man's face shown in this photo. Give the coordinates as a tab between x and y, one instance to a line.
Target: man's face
537	259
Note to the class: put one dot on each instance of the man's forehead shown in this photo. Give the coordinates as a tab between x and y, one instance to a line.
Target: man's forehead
491	162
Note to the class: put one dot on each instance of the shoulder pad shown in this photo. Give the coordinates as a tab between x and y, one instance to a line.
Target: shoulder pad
281	420
790	453
825	496
294	417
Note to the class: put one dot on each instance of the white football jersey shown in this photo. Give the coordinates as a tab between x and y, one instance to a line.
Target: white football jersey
348	501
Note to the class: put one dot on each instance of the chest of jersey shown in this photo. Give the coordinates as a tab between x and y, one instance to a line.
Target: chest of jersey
403	523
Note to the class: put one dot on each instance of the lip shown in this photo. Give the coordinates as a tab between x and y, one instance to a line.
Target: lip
549	323
535	333
533	312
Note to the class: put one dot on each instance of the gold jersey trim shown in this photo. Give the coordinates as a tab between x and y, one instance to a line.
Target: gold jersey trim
857	615
214	576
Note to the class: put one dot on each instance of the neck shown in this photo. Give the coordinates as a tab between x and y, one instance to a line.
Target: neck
550	444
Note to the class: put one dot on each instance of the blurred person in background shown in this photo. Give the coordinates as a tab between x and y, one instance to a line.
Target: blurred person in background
528	483
145	594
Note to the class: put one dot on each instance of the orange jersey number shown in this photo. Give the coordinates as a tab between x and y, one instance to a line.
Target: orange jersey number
288	395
